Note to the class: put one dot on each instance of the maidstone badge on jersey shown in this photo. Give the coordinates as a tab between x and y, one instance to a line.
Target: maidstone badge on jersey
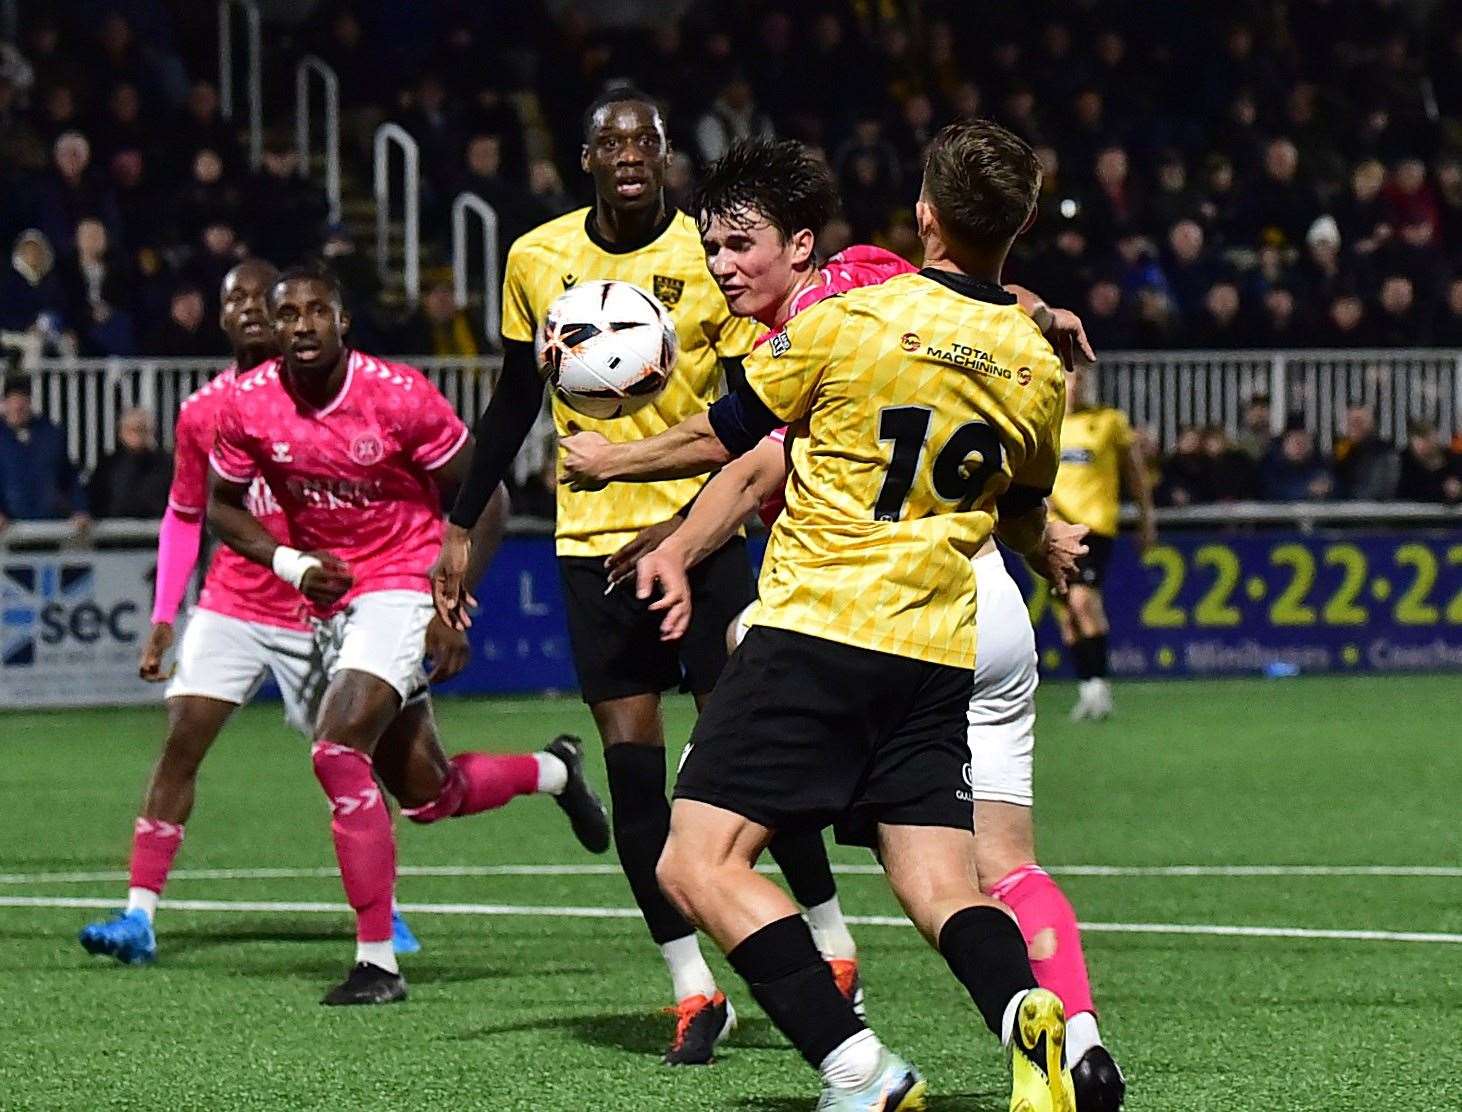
921	401
562	254
1089	485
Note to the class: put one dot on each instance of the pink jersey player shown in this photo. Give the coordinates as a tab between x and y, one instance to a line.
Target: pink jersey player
353	478
860	265
234	586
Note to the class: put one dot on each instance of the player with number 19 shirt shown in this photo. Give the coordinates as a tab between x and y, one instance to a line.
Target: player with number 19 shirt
872	539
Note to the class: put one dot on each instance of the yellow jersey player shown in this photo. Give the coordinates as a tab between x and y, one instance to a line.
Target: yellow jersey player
1098	454
631	234
922	412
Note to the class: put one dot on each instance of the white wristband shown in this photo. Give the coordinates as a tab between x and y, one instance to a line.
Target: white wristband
290	564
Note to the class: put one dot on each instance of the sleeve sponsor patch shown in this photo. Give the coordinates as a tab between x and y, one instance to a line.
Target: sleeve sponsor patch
780	343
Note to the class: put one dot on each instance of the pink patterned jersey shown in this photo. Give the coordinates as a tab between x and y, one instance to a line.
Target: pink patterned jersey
354	478
234	586
860	265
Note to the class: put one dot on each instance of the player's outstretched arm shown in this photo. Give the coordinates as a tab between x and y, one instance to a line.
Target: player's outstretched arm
723	505
499	432
733	426
590	460
178	540
1134	474
465	553
319	576
728	499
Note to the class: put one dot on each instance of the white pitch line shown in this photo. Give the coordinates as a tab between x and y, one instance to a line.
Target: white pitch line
552	912
97	876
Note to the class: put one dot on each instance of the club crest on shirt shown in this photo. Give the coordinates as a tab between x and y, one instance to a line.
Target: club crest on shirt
366	449
668	290
780	343
281	452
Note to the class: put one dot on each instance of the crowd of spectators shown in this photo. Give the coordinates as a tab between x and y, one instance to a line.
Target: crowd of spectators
1207	466
1243	174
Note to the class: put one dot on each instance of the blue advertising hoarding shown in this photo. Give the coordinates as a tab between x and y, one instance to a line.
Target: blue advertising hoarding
1198	604
1243	603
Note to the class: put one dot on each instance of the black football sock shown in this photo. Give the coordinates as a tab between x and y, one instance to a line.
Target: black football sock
1098	655
1083	658
804	863
795	987
641	820
986	953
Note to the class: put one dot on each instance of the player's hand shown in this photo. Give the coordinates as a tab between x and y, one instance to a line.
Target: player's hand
447	649
1062	545
1146	534
665	568
448	575
326	585
1068	336
585	457
622	564
159	641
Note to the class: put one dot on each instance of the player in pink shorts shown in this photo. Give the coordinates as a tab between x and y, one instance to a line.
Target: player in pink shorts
248	625
360	453
758	237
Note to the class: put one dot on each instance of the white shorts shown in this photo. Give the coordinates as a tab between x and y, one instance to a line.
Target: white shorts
228	658
1002	714
383	634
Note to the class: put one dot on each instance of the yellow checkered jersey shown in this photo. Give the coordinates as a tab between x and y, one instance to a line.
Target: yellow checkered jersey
1089	484
564	252
915	405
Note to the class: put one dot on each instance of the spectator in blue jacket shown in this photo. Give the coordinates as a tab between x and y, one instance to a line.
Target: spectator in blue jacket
38	481
1293	471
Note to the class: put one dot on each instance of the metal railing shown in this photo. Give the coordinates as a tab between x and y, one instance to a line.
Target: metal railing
1168	391
330	87
491	248
254	46
387	135
1162	390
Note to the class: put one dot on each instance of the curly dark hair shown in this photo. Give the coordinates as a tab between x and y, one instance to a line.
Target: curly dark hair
778	180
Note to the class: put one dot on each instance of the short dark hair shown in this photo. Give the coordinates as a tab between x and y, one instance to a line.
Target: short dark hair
779	179
983	181
314	272
617	94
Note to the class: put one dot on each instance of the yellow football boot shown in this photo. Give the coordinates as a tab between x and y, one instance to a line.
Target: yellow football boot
1039	1079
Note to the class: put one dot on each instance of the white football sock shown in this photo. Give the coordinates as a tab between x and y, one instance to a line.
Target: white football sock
689	973
145	898
1007	1021
854	1062
553	774
1081	1036
381	954
830	931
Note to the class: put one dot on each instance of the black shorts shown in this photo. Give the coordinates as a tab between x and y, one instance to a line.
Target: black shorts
1091	569
803	733
616	637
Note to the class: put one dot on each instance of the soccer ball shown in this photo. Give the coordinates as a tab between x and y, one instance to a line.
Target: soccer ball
607	348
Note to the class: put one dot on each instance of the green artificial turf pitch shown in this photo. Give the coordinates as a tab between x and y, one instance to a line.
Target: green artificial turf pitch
555	1012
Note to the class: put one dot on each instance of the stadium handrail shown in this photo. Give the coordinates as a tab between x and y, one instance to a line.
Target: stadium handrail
387	134
254	49
1306	515
491	246
330	86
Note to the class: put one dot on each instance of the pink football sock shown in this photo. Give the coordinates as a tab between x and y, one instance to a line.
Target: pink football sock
1048	925
365	845
479	782
154	845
